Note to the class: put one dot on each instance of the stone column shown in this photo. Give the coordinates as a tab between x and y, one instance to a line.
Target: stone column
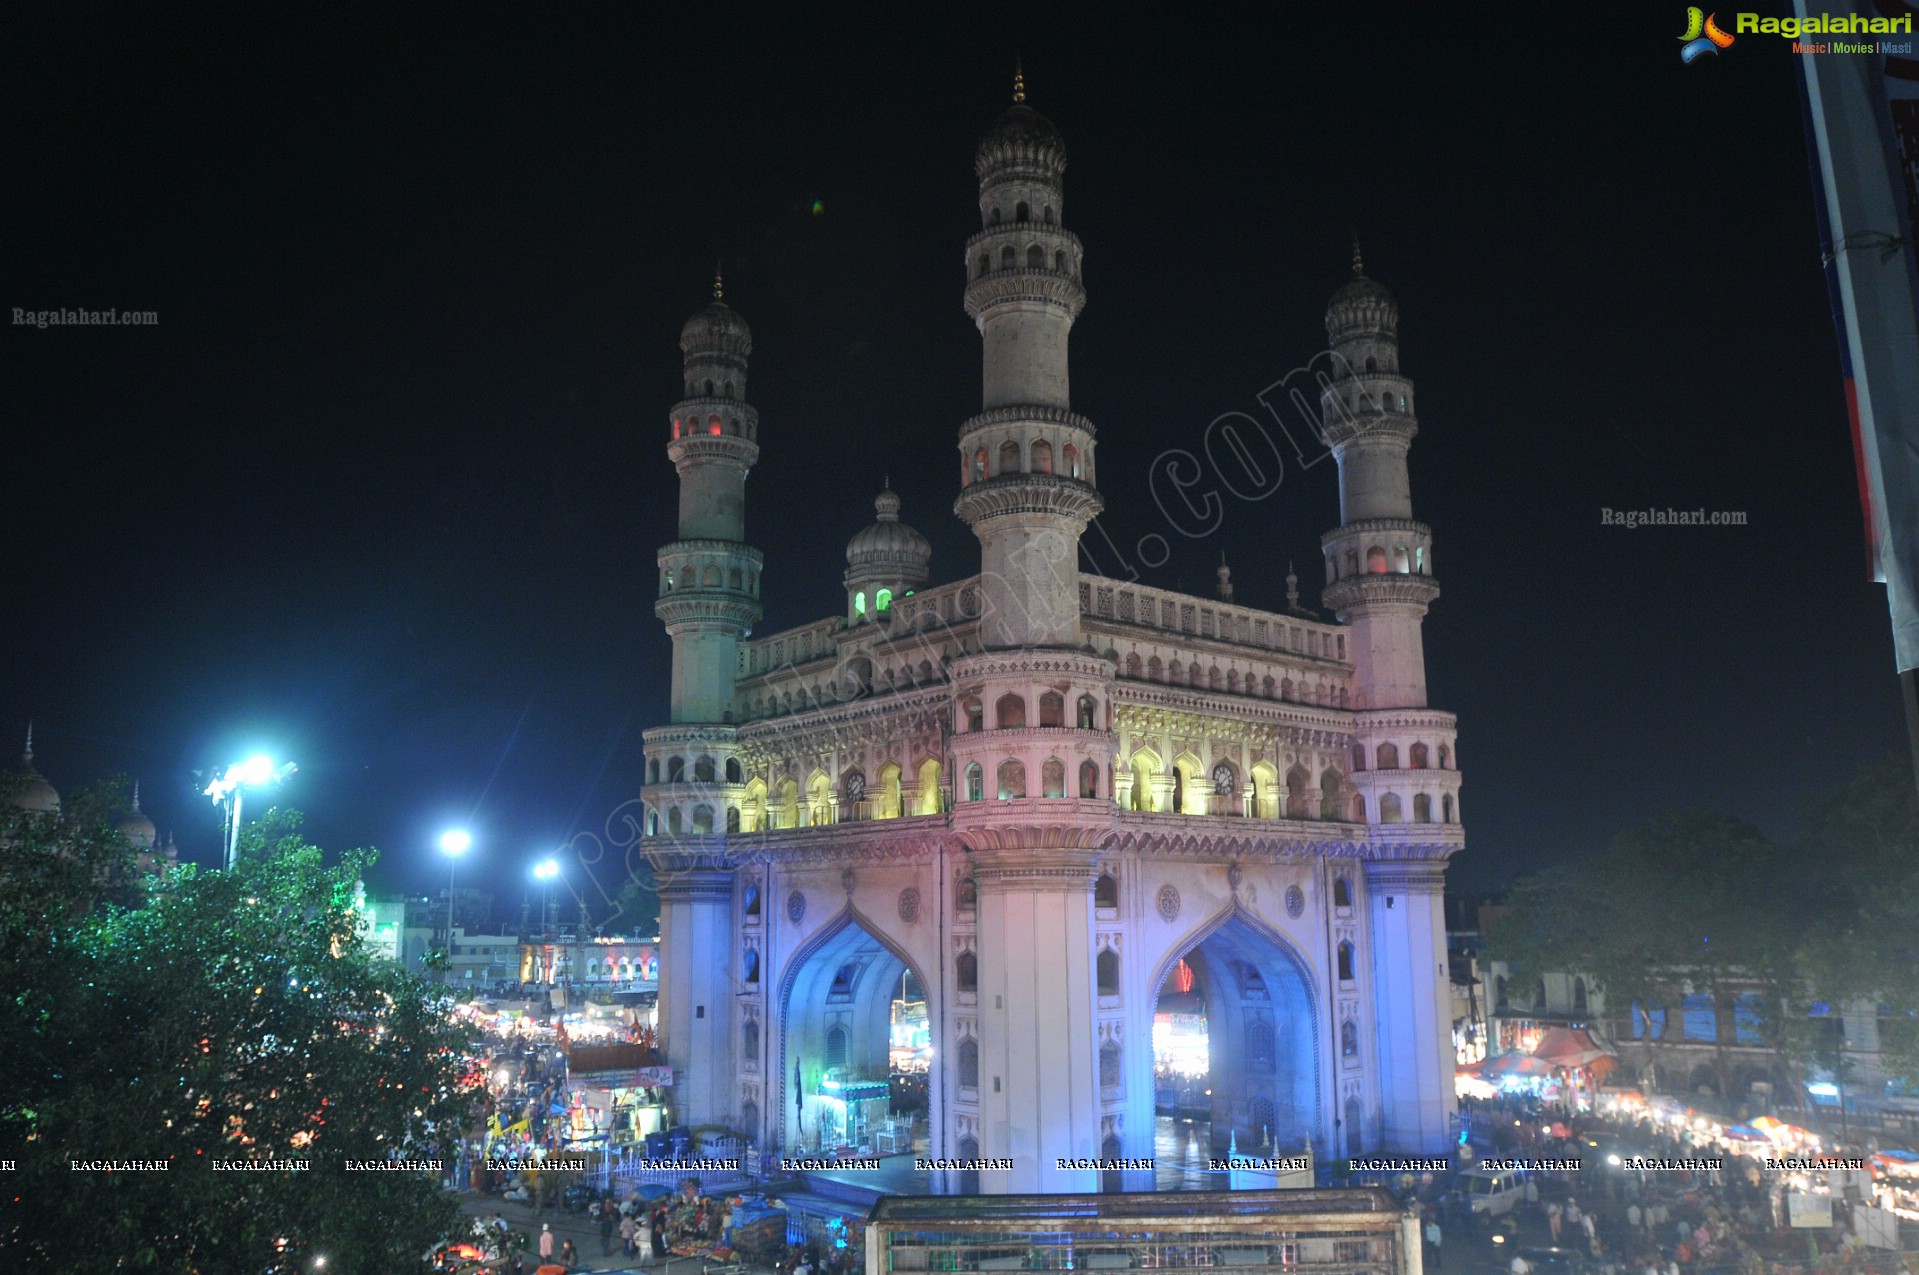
696	953
1412	1005
1039	1065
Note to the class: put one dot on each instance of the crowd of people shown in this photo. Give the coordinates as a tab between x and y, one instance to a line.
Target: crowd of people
1683	1221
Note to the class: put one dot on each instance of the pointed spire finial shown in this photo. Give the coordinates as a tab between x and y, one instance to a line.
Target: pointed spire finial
719	284
28	757
1019	82
1292	587
1359	267
136	796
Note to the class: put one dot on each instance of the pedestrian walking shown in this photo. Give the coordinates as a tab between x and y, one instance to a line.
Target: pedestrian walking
1633	1216
546	1241
1433	1240
1554	1216
607	1214
629	1231
569	1256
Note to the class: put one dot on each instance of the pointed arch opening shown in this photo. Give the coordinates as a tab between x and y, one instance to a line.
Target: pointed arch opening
1265	790
927	799
1146	767
1235	1015
1012	779
840	996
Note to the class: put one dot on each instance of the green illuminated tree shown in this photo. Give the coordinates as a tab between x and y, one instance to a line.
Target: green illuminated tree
228	1015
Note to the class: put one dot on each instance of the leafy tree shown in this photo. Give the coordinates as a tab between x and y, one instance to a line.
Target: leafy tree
1687	904
1864	842
636	909
230	1015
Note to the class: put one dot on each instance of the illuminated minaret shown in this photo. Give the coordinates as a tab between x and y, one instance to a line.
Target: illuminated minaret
1026	461
1379	583
1378	561
709	589
709	577
1027	491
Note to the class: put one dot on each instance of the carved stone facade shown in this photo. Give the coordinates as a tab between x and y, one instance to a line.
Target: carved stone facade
1038	791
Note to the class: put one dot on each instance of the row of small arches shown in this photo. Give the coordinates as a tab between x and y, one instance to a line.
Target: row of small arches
1187	788
1175	673
1418	757
623	969
1022	211
1010	784
1400	560
1010	458
1009	712
710	578
1393	810
1009	259
774	703
1388	402
709	388
705	769
714	426
1010	780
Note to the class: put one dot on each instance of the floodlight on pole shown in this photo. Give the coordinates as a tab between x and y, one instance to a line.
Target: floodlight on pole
544	871
229	789
454	842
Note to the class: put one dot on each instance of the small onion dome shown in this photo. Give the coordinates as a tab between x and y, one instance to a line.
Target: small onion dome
136	827
1361	307
889	547
1021	137
718	328
31	791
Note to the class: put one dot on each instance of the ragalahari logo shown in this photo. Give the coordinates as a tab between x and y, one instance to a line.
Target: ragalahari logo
1702	36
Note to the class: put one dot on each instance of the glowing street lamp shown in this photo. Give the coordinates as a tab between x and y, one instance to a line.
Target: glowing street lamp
544	872
229	789
454	842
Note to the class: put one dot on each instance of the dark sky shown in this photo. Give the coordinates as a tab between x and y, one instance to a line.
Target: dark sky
382	490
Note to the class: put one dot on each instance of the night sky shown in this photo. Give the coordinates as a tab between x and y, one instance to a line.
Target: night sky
382	490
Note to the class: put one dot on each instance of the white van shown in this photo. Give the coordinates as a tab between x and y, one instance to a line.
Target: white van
1492	1192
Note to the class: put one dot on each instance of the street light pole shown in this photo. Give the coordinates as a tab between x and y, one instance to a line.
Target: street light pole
545	870
229	789
453	843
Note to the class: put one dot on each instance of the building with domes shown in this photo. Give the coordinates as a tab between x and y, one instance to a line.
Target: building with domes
31	792
1033	798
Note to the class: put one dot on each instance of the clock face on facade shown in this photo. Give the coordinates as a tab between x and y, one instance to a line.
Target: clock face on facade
855	786
1223	779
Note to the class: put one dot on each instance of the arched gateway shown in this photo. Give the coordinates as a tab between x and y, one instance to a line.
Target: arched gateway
930	864
1254	992
844	989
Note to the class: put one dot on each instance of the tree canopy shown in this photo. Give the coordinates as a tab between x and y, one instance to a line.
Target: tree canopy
224	1016
1703	904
